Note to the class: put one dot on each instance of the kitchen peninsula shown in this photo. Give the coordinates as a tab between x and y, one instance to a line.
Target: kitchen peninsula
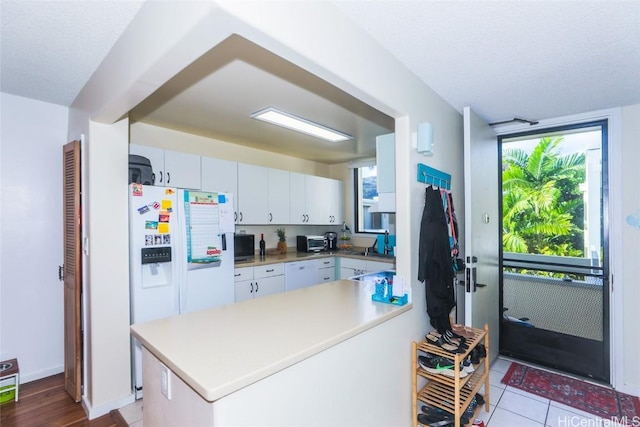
323	355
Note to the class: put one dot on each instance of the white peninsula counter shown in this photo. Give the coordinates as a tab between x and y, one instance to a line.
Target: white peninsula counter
315	356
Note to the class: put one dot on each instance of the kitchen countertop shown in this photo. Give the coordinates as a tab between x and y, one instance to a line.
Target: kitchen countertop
291	256
221	350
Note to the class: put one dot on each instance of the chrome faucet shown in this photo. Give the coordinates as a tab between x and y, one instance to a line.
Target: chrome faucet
387	249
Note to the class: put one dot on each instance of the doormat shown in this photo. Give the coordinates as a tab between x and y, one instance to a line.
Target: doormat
601	401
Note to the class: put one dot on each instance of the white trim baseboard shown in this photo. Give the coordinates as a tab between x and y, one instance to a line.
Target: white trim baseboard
98	411
33	376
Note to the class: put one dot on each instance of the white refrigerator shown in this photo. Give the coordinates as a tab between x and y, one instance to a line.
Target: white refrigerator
181	255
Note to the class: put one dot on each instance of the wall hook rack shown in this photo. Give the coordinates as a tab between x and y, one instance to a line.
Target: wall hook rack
435	177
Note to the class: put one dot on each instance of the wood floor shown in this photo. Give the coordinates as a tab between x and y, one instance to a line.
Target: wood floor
45	403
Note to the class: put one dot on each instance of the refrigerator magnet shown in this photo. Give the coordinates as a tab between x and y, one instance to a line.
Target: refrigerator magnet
136	190
143	209
151	225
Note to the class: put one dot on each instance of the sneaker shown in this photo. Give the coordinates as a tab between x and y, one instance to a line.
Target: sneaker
468	366
439	365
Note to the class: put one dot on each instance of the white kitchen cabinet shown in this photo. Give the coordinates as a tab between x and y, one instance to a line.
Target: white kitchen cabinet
171	168
220	175
386	172
350	267
373	266
278	196
336	207
263	195
253	194
259	281
326	269
315	200
297	198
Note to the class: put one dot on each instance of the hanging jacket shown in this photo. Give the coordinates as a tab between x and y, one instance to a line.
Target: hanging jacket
434	256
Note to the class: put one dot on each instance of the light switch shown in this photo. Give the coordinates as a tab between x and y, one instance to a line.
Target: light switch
165	381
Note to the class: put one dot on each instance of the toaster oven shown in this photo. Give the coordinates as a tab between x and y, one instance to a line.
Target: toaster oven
308	243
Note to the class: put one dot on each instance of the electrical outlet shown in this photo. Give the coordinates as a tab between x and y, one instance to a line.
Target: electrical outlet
165	381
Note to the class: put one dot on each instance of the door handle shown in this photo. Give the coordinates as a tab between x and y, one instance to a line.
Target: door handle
480	285
61	272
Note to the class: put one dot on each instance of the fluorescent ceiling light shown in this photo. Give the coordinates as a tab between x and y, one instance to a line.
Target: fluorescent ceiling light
289	121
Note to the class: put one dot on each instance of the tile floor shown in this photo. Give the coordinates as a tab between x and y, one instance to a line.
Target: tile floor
510	407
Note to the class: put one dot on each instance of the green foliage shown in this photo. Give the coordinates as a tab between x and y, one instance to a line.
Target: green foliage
282	237
543	208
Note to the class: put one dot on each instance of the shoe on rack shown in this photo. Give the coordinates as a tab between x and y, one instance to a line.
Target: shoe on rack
440	365
442	343
432	422
468	366
478	423
475	356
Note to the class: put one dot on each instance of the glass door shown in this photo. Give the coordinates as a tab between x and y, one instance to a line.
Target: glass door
554	288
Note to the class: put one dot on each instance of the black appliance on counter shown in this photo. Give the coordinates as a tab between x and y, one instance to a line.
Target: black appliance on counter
244	247
332	241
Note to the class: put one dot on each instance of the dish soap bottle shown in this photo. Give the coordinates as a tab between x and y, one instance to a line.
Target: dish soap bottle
263	249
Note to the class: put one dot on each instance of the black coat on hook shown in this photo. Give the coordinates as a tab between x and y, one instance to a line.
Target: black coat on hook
434	261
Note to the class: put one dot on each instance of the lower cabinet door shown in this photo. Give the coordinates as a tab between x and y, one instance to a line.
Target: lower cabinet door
269	286
245	289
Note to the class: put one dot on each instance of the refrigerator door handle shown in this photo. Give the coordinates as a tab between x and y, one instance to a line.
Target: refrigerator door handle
224	242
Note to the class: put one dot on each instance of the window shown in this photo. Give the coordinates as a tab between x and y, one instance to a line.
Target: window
367	217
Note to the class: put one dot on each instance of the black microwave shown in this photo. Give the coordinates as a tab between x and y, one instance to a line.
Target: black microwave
244	247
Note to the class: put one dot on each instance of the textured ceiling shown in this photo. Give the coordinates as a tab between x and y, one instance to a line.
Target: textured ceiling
531	59
537	59
51	48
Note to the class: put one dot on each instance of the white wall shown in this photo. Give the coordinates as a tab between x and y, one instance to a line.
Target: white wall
31	296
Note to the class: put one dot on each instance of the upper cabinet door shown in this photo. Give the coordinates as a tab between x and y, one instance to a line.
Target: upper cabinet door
278	196
316	193
253	194
336	214
156	157
297	199
182	170
221	176
171	168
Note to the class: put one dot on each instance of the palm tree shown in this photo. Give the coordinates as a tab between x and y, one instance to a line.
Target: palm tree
542	204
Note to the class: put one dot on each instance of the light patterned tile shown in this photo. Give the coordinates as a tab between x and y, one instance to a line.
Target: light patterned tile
503	418
524	406
136	424
485	416
494	379
501	365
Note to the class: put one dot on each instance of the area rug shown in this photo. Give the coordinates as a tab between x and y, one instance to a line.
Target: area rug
603	402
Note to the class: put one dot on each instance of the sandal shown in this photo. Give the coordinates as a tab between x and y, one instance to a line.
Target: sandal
442	343
450	340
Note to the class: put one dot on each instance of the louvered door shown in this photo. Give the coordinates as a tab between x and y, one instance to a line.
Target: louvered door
72	270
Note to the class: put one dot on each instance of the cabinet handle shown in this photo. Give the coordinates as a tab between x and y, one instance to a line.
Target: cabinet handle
160	176
326	278
270	271
257	287
235	216
326	262
237	275
153	179
251	287
240	217
168	177
270	217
